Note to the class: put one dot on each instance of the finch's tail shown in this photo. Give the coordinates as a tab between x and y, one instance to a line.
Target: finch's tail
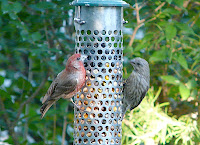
45	107
124	109
123	113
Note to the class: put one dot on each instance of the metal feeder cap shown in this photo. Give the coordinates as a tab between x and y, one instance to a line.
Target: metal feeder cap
100	3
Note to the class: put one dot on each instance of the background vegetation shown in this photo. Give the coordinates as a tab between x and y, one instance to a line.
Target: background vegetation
37	37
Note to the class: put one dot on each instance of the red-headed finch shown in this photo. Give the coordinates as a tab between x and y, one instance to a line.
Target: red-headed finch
136	86
67	83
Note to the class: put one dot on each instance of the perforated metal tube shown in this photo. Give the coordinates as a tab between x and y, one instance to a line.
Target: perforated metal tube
99	35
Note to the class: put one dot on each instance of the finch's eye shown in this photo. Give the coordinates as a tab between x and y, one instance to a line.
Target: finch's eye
78	58
138	63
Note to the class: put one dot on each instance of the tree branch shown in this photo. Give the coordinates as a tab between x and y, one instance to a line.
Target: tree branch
197	3
54	126
154	18
185	3
29	100
137	9
5	115
8	123
46	33
196	18
54	33
133	35
141	22
64	126
160	6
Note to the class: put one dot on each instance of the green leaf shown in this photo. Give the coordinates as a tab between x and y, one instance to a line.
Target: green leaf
150	35
46	5
179	3
43	6
170	31
185	28
4	94
184	91
159	55
194	93
163	15
54	50
170	79
182	61
172	11
11	8
13	15
1	80
36	36
141	46
1	22
169	1
24	35
5	7
191	83
17	7
128	50
23	83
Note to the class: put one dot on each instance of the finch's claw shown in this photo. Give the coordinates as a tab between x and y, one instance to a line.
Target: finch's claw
79	107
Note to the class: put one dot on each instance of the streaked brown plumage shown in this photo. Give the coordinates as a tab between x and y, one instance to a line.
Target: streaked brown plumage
66	84
136	86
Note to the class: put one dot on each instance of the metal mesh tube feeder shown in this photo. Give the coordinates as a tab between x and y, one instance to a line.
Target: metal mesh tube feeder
98	26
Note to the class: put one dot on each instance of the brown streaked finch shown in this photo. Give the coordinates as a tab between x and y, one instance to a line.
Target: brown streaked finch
136	86
67	83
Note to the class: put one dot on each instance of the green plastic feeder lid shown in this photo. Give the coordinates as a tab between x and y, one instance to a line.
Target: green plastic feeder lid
99	3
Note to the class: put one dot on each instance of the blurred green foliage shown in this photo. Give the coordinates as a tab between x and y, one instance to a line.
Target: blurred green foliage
171	44
37	37
35	42
156	126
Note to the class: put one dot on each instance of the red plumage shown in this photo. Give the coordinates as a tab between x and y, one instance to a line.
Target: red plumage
67	83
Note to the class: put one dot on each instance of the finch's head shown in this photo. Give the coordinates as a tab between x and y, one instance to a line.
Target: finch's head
141	66
76	61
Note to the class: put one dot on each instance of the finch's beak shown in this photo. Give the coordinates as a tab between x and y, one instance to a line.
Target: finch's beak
132	61
83	57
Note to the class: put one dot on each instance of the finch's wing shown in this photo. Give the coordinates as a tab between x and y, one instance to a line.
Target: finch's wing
142	97
124	84
127	83
50	91
57	88
64	88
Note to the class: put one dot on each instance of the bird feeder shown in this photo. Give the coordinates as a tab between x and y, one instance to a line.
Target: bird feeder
98	26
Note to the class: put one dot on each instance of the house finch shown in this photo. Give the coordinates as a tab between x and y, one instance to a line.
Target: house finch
136	86
66	84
